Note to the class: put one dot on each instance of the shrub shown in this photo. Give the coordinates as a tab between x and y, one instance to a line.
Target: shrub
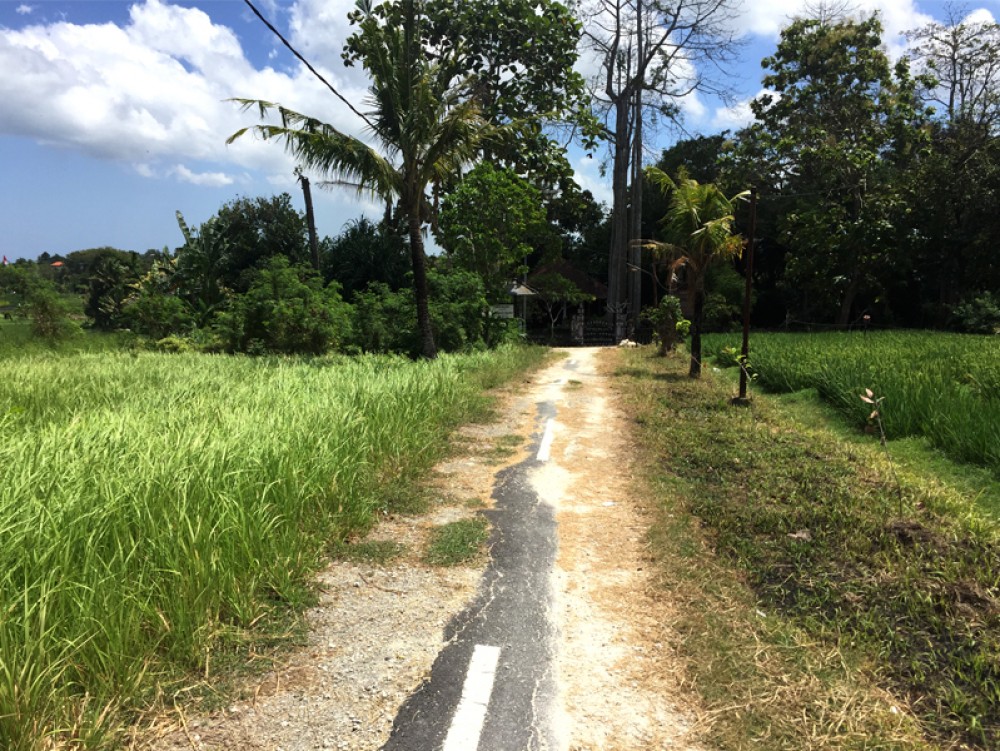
287	310
666	319
50	314
458	309
386	321
981	315
157	315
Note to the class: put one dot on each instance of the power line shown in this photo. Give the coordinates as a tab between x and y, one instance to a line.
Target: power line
307	64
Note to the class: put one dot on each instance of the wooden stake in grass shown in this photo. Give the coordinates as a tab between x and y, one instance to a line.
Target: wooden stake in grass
869	398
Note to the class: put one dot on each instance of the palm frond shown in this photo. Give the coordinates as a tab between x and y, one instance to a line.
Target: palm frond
323	148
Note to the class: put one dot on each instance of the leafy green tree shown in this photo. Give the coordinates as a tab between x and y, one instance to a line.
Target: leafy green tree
489	224
425	129
835	137
256	230
365	253
109	286
77	267
956	187
556	293
201	263
40	301
514	59
287	310
698	228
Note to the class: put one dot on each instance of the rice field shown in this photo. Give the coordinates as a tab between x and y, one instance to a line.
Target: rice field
154	508
945	387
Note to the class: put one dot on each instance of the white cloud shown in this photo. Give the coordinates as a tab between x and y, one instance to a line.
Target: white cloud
151	90
768	18
209	179
588	176
319	29
980	15
738	114
25	10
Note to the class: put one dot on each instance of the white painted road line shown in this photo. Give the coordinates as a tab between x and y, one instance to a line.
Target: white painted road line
546	446
466	726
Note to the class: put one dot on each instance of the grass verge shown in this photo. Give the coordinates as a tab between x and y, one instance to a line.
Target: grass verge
457	542
812	615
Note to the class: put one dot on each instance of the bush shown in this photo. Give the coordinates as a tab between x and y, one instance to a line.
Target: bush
458	309
981	315
50	315
668	321
287	310
157	315
386	321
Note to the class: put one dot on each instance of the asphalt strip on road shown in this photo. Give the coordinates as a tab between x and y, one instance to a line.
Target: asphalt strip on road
492	687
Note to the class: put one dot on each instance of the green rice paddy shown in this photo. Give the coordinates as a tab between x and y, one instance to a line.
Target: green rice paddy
944	387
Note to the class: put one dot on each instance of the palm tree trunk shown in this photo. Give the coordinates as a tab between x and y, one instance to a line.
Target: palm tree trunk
310	221
420	291
698	309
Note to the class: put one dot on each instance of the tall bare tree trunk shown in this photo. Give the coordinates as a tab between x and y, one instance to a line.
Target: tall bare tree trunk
635	232
617	288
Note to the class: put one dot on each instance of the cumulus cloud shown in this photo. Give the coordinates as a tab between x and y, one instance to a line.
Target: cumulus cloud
25	10
898	16
152	90
738	114
588	176
980	15
210	179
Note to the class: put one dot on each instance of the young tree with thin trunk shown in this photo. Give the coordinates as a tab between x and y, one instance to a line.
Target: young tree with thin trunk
698	226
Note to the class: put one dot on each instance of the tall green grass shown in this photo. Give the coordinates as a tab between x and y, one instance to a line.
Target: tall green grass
153	508
17	340
942	386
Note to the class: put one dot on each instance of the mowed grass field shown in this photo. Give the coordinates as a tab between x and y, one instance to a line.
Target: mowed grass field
827	597
160	512
944	387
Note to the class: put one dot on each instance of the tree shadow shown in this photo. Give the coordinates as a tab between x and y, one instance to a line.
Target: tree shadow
645	375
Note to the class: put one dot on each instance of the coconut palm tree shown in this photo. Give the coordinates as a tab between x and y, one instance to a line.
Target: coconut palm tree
698	227
424	133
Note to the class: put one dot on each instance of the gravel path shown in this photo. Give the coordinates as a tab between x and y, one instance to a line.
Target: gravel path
376	630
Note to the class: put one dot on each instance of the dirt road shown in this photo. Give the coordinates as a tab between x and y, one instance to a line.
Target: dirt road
611	679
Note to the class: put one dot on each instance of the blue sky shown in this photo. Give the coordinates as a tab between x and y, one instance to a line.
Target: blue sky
114	113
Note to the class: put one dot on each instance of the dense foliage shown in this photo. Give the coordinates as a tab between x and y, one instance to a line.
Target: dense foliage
877	181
